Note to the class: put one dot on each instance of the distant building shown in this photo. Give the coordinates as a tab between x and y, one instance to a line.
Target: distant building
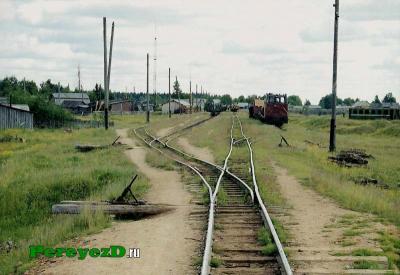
121	106
199	103
177	106
243	105
77	103
217	101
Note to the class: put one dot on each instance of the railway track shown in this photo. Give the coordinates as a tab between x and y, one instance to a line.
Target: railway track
232	243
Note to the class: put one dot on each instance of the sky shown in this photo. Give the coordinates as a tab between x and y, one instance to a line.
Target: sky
226	46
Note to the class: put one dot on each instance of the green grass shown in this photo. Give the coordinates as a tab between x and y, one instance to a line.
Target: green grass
310	163
365	265
47	169
156	159
222	197
215	262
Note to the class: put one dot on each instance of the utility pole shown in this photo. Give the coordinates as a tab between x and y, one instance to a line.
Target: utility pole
105	73
147	91
191	99
332	137
201	93
169	92
197	104
179	97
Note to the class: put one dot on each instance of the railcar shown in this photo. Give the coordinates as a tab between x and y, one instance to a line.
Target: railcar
273	110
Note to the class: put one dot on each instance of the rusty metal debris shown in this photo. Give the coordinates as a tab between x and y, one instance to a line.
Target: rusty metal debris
314	143
370	181
121	206
351	157
284	140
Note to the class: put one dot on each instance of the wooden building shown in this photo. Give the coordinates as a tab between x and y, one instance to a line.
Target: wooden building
15	117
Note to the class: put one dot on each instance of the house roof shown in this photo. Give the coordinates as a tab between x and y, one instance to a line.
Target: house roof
24	107
314	107
60	97
13	106
120	101
182	102
361	104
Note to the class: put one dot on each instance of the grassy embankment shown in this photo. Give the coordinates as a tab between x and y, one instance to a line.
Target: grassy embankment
47	169
310	164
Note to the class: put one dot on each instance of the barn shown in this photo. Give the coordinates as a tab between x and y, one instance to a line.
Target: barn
177	106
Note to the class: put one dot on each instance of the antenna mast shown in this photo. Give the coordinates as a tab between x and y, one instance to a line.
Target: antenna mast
155	67
79	78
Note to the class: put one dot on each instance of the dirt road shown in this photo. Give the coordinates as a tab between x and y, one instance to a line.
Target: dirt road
320	229
167	242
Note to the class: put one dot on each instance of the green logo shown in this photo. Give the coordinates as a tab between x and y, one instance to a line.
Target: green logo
114	251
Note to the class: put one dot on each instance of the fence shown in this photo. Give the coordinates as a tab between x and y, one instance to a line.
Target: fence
11	117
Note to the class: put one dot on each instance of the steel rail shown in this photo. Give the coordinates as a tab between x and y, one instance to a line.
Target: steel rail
210	227
247	187
264	212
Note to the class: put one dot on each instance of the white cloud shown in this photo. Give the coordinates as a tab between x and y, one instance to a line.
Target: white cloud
226	46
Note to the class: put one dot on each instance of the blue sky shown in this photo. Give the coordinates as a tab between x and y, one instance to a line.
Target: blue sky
236	47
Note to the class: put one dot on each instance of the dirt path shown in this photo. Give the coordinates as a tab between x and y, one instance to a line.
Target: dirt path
202	153
164	131
319	228
166	242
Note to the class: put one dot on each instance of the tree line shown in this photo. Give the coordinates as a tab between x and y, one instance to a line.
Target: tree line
326	101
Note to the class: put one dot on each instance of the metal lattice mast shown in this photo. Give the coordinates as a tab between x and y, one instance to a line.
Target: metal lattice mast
155	71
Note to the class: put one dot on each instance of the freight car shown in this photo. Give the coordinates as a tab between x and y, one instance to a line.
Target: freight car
272	110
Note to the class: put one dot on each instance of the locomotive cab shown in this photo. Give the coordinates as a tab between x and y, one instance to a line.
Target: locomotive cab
276	109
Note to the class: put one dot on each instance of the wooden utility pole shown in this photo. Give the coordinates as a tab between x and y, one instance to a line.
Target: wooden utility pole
109	60
332	136
179	97
105	73
191	99
197	103
147	91
169	92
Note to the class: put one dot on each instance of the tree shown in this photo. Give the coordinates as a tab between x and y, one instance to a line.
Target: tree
308	103
348	101
177	89
241	98
389	98
226	99
376	100
295	100
326	101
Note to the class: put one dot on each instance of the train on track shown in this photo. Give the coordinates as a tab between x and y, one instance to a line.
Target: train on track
273	110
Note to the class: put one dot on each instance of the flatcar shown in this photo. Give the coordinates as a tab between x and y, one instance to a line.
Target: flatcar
273	110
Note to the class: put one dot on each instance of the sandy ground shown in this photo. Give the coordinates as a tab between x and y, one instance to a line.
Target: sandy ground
311	224
164	131
166	242
201	153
